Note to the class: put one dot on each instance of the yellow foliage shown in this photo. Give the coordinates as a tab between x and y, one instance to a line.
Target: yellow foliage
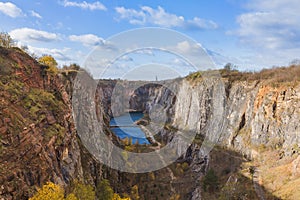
125	155
49	191
50	62
152	176
71	197
135	192
117	197
175	197
104	190
84	192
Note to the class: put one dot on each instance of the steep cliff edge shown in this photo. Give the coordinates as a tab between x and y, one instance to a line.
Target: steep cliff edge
38	141
257	113
260	117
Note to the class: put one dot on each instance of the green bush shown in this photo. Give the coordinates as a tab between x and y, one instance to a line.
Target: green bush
210	181
104	190
194	76
15	89
55	130
84	192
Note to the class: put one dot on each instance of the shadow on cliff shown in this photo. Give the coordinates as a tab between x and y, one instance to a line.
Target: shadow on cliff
231	176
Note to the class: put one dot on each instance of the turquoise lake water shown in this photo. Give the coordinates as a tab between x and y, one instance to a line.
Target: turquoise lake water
127	129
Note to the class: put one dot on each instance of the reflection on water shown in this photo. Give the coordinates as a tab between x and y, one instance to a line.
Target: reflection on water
124	127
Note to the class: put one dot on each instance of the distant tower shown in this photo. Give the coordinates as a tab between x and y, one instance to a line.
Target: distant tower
156	78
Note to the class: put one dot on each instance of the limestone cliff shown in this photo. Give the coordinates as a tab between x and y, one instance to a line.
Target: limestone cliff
252	112
257	113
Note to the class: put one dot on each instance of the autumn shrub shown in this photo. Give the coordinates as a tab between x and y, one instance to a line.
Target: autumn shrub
84	192
104	190
49	191
50	62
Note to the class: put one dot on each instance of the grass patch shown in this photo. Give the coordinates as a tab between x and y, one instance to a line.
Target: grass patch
55	130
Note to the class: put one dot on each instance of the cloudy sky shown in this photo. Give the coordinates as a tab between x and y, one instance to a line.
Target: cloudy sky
251	33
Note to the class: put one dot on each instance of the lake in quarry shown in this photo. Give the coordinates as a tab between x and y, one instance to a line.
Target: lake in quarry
124	127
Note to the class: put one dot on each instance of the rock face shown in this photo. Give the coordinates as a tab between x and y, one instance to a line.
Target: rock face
122	96
38	141
254	113
239	115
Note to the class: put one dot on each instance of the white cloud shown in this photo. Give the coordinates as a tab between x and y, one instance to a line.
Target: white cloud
85	5
59	54
272	28
186	47
221	60
159	17
287	6
134	16
180	62
87	40
271	24
35	14
198	23
10	9
125	58
27	35
149	52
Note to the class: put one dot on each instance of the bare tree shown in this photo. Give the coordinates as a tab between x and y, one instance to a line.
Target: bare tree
5	40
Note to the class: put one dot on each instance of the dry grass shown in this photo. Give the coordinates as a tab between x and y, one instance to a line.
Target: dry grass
277	176
290	190
274	75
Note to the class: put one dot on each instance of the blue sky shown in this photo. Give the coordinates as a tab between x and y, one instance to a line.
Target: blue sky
250	33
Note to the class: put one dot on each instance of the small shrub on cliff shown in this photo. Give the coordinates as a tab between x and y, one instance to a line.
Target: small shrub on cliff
194	76
15	89
49	191
71	197
210	181
84	192
50	62
175	197
55	130
104	191
135	192
117	197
